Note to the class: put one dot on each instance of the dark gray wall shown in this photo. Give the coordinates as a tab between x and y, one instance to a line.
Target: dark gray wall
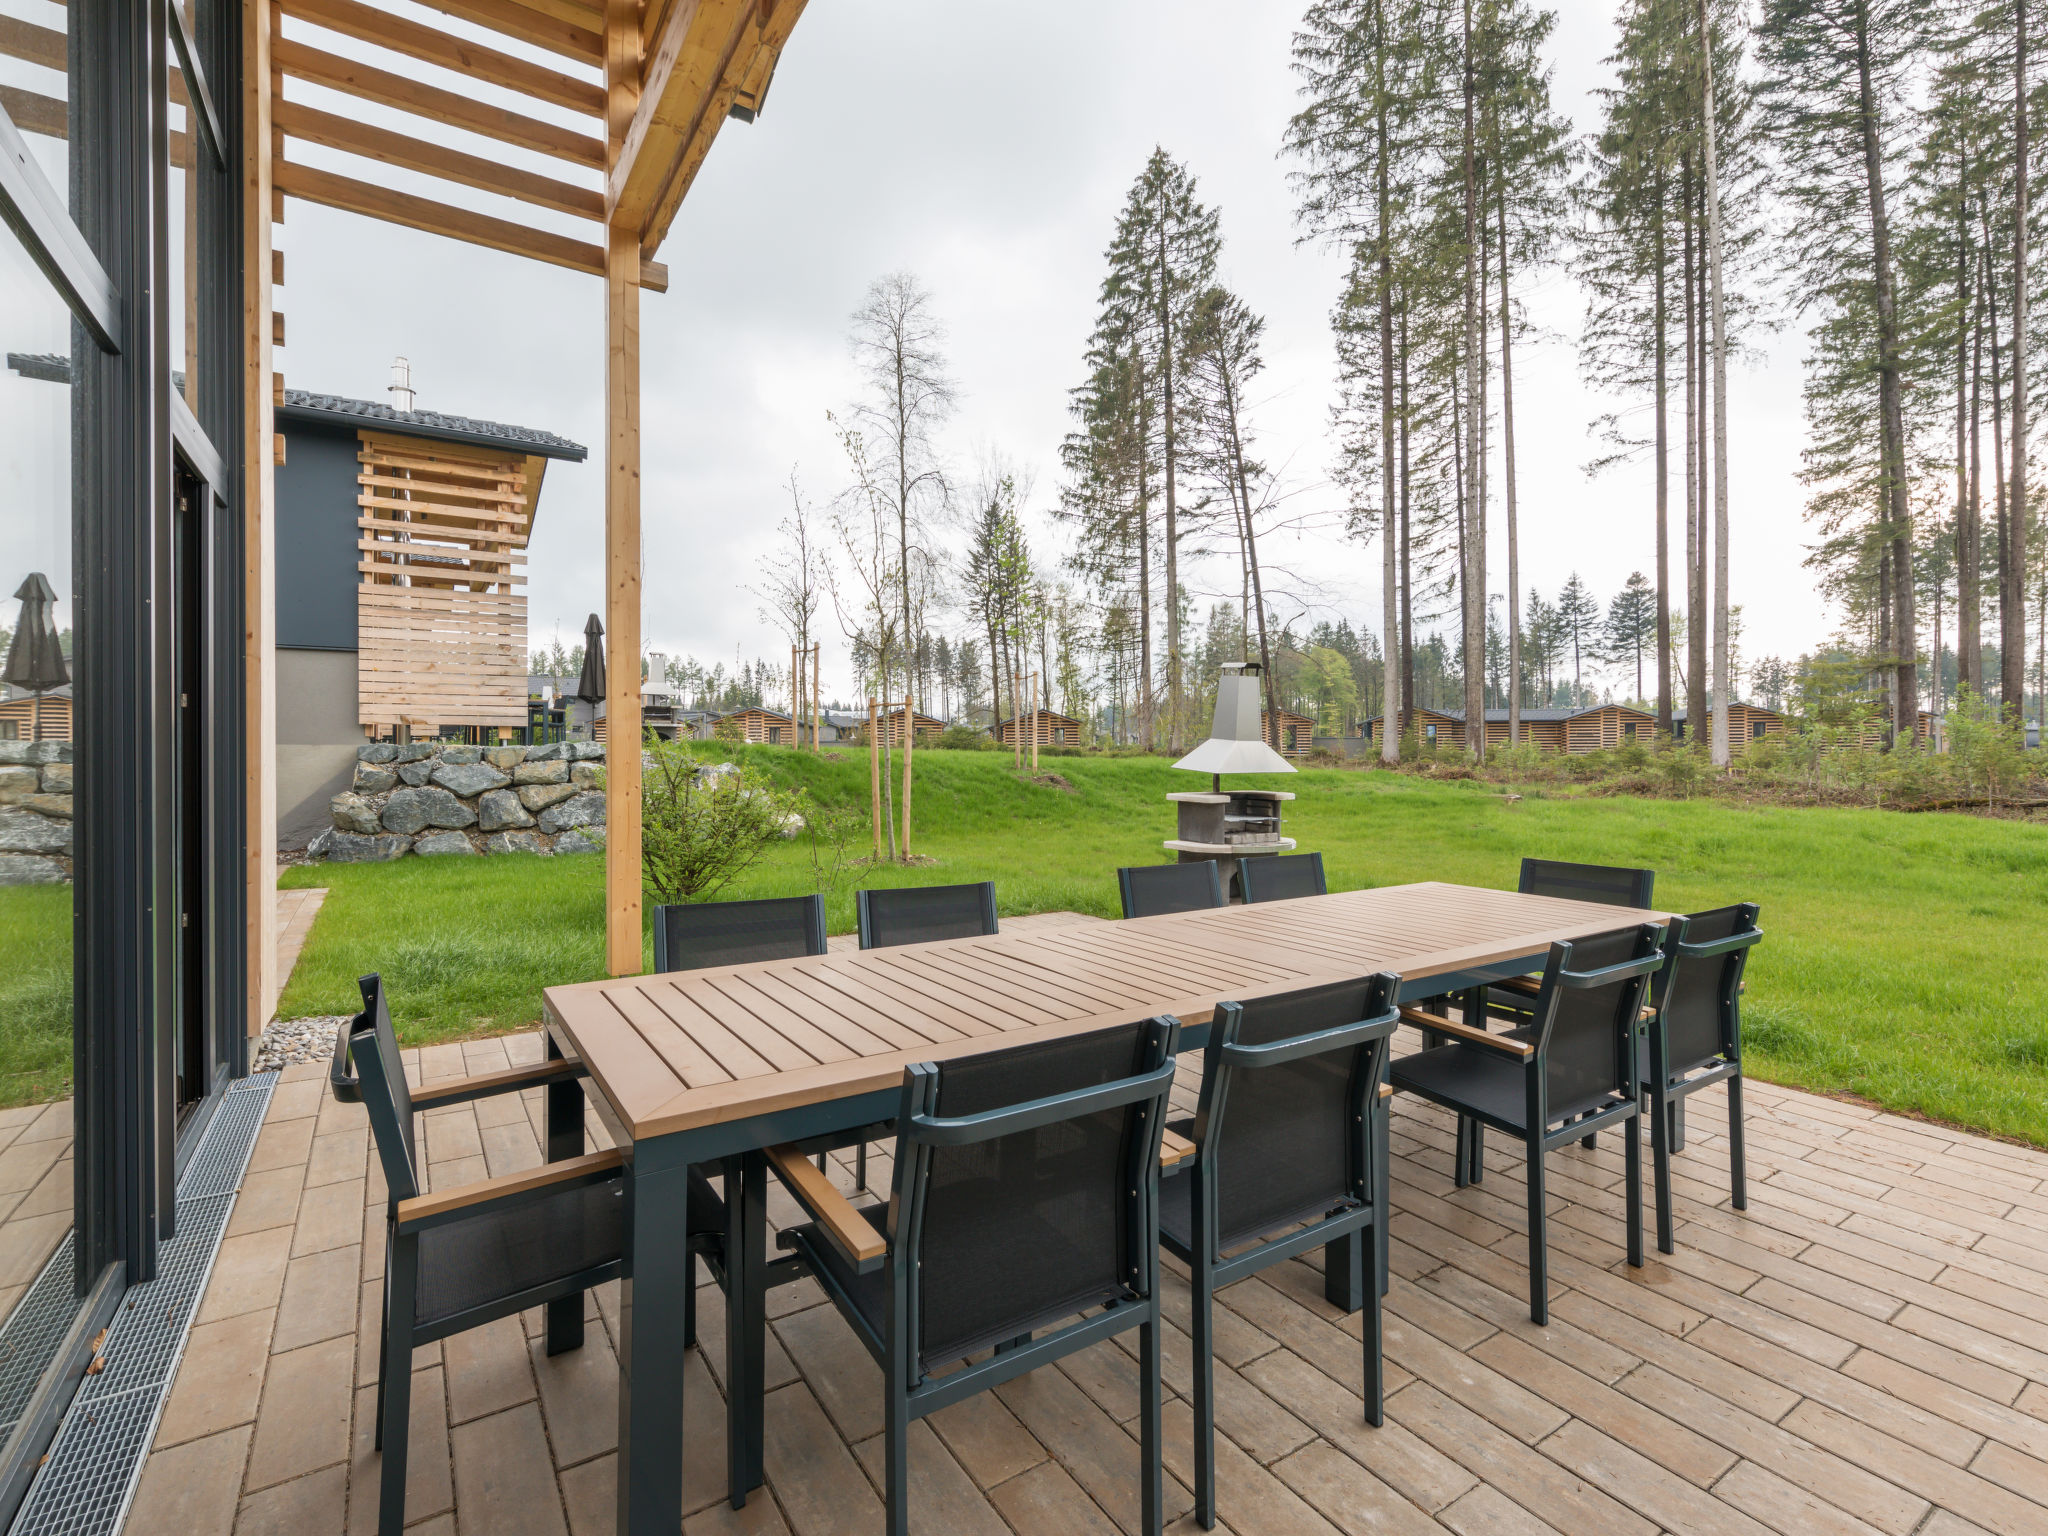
316	539
317	737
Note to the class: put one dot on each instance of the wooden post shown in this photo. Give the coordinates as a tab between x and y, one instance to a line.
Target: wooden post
909	735
1037	715
622	516
875	776
817	710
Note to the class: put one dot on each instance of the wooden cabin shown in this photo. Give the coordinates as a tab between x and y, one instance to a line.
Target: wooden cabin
1752	722
1435	727
1052	728
891	729
1297	733
22	718
1602	728
758	724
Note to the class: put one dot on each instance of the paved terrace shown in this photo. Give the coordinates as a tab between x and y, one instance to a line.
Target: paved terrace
1862	1351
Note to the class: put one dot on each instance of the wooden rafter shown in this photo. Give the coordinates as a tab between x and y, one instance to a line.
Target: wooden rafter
572	38
432	46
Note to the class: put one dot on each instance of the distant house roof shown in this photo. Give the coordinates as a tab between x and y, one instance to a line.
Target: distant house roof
1761	709
304	405
752	709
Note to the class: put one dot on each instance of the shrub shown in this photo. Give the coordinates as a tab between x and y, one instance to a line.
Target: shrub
698	834
965	738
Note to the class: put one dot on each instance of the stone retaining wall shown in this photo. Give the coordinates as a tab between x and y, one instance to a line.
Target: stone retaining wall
35	812
436	798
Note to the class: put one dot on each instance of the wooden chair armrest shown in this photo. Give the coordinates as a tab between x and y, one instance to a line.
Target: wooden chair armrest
1386	1090
460	1090
422	1210
1466	1033
850	1232
1529	984
1174	1149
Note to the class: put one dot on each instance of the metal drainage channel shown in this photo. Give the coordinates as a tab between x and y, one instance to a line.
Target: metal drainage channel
89	1477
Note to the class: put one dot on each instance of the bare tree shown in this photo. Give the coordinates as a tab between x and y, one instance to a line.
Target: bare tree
867	583
899	342
793	581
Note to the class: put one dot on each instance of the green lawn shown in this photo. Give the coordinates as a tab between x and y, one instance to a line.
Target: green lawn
1903	960
35	993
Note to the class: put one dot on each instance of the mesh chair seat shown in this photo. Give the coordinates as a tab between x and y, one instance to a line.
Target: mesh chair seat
1468	1077
925	914
1177	1217
494	1255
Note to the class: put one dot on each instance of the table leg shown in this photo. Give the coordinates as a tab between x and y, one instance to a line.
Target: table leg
746	1322
652	1350
565	1140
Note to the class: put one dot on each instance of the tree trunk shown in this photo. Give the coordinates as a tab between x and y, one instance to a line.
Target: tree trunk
1144	565
1507	433
2012	603
1969	481
1393	687
1661	323
1407	564
1718	352
1173	678
903	521
1891	404
1473	515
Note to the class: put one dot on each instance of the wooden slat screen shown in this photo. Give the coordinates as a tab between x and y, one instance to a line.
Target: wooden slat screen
441	609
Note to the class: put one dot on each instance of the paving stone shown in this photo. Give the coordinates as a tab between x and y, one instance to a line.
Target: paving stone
248	1274
329	1216
302	1423
429	1485
987	1439
306	1506
488	1369
220	1378
822	1490
579	1394
320	1298
190	1488
942	1498
504	1481
1046	1501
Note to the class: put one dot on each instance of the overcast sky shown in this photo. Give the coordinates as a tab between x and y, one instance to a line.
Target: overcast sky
986	147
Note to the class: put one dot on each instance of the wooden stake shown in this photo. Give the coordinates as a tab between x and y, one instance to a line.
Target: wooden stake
909	734
875	774
817	710
1037	714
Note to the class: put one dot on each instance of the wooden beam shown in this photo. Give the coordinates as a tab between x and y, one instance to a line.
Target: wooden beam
740	69
303	62
352	196
623	261
36	45
530	24
358	138
259	531
36	113
432	46
696	43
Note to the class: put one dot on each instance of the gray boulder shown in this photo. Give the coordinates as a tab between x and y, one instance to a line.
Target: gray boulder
584	810
372	779
57	778
413	810
18	782
377	752
352	813
28	869
512	842
37	752
500	809
586	751
462	754
355	848
416	751
58	806
576	842
442	842
550	753
23	831
506	758
550	772
587	775
538	797
416	774
468	779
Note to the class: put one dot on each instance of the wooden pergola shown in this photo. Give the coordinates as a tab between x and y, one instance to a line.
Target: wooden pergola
650	84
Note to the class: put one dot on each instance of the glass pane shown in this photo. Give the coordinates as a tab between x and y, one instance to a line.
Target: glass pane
182	229
38	1295
35	82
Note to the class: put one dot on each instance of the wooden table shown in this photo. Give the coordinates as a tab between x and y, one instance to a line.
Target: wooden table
711	1066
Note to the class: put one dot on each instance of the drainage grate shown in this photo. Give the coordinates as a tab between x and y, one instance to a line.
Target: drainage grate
89	1476
34	1333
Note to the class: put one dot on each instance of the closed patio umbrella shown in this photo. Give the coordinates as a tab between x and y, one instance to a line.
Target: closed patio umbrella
590	686
35	657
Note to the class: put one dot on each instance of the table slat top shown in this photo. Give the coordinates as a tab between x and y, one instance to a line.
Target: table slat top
690	1048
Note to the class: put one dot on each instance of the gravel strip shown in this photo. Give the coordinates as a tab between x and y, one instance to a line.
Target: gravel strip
289	1041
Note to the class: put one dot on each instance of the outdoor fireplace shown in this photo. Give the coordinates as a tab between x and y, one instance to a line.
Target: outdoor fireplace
1234	824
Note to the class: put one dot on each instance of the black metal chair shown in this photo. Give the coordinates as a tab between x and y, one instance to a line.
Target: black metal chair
1611	884
1563	1077
1282	877
1284	1134
1695	1040
456	1259
1025	1199
1151	890
920	914
700	934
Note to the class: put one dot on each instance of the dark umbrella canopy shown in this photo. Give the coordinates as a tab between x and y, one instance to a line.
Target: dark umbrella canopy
590	687
35	657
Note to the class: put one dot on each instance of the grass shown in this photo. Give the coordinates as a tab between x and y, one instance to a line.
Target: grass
35	993
1900	951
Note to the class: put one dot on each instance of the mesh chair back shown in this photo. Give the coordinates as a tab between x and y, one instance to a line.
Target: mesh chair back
1289	1137
1282	877
1589	1038
1698	992
919	914
373	1050
689	938
1587	882
1152	890
1021	1230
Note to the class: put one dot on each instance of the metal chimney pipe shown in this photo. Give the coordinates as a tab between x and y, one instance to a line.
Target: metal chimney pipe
401	384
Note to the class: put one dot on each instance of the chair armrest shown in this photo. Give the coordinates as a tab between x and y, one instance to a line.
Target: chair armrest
1386	1090
1174	1149
461	1090
429	1209
1466	1033
849	1231
1527	984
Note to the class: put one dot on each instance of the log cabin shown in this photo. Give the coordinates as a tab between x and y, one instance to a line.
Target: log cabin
1052	728
1297	733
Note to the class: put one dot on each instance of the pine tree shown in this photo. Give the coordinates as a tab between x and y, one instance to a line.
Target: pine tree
1630	630
1578	617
